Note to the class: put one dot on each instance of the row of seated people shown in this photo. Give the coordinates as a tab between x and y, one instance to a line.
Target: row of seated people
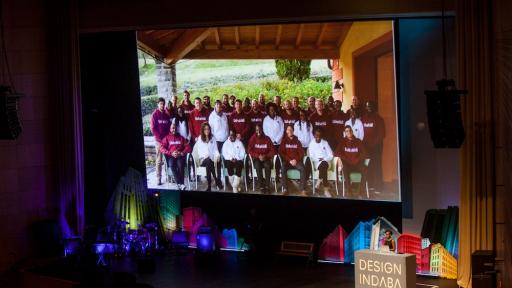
264	156
274	119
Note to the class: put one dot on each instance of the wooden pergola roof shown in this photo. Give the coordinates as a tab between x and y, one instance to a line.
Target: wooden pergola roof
283	41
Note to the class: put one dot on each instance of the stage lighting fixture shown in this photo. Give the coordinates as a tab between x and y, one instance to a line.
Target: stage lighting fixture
205	240
179	239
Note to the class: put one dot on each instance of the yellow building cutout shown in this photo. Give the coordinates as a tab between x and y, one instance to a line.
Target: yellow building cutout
442	263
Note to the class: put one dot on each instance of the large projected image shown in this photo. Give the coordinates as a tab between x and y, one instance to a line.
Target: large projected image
292	109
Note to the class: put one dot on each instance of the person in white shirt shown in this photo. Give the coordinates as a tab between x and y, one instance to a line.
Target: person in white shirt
355	123
181	122
273	125
233	152
320	153
303	129
208	154
219	124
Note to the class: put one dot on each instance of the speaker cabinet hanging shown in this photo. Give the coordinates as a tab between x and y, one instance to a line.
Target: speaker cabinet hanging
10	127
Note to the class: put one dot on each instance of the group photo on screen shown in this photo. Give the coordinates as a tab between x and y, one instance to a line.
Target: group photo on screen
321	123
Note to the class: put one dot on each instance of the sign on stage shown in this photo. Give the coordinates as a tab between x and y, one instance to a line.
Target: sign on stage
384	269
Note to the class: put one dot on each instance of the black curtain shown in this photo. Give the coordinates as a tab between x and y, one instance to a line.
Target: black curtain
111	109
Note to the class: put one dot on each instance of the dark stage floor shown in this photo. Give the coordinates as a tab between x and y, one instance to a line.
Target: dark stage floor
232	269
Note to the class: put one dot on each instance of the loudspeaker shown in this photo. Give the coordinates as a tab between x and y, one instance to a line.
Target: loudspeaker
444	115
10	127
482	262
483	281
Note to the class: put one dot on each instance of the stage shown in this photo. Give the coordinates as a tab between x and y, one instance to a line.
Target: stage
225	269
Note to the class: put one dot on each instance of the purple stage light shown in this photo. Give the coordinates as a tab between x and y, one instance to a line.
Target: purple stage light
205	240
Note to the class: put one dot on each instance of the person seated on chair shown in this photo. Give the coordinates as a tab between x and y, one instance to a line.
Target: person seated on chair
320	153
208	154
352	154
262	151
291	153
233	152
175	147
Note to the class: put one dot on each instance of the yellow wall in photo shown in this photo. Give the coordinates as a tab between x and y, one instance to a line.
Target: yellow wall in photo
360	34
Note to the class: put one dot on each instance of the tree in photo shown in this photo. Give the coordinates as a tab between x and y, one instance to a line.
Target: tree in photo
293	69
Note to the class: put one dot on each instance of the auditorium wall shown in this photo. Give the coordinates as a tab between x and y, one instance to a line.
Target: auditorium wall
433	173
27	186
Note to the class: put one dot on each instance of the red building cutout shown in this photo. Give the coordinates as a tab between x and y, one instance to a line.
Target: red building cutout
410	243
425	260
333	246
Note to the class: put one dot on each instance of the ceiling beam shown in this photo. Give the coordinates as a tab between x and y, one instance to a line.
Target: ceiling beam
237	36
343	34
217	37
321	35
299	35
186	43
278	36
265	54
149	45
257	38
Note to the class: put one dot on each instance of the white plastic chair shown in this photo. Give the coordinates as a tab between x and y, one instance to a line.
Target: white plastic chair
354	177
293	174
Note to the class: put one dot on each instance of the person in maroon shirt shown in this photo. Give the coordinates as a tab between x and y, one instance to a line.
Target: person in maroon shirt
159	125
374	133
232	100
337	124
352	154
356	106
311	106
172	106
261	102
289	115
207	103
296	105
330	104
247	105
196	118
292	153
320	118
186	104
279	108
262	152
255	115
175	149
239	121
226	108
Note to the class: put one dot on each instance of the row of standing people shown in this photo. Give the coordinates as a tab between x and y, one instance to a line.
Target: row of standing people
222	118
